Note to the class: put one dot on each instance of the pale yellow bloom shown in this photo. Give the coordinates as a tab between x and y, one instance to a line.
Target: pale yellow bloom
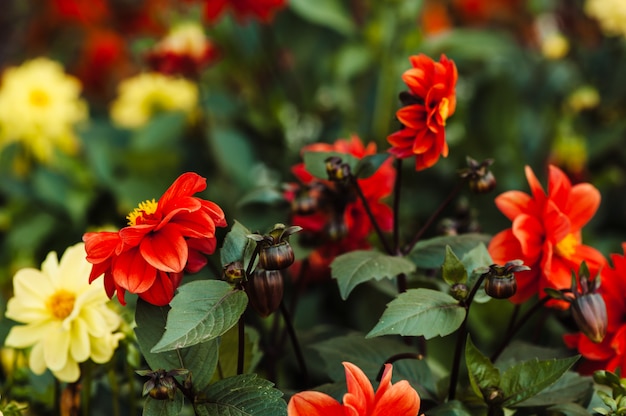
66	320
555	46
141	97
610	14
39	107
185	39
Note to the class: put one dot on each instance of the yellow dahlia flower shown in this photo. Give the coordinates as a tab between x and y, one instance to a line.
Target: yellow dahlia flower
144	95
39	107
610	14
185	39
66	320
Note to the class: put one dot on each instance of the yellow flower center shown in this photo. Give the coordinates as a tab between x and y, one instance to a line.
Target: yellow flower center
61	304
39	98
444	110
145	208
567	246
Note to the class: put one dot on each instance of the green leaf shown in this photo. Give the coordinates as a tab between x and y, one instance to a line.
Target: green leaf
370	355
201	310
476	258
482	373
528	378
430	253
236	244
233	152
368	165
152	407
329	13
243	395
315	162
420	312
453	270
570	388
356	267
163	130
200	359
228	352
451	408
568	409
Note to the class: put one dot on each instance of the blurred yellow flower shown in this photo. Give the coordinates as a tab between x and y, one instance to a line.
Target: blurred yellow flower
142	96
610	14
66	320
39	107
185	39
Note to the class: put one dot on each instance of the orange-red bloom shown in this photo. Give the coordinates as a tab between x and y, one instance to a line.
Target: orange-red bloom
360	400
262	10
162	240
546	233
431	99
338	222
609	354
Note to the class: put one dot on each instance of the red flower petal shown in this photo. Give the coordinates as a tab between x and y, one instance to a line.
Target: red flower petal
360	395
395	399
530	234
185	185
165	250
514	203
162	290
100	246
314	403
132	272
584	201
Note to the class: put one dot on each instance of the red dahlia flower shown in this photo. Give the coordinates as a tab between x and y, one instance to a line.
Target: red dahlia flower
609	354
546	233
431	99
162	240
260	9
339	223
360	400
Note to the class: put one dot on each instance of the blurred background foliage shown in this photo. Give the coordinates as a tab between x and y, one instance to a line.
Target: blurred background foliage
539	82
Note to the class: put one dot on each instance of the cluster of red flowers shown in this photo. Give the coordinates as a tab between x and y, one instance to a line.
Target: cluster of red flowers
337	221
610	353
163	239
546	233
263	10
431	99
101	30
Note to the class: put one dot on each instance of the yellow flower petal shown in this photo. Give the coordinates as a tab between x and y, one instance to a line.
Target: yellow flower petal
24	336
56	348
69	373
80	347
36	360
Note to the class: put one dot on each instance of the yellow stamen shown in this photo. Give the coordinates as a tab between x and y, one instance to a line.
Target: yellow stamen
61	304
39	98
567	246
145	208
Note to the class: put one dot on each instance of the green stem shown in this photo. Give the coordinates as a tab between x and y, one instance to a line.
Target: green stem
130	376
115	390
433	217
460	340
396	204
518	325
85	388
370	215
396	357
241	349
294	342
